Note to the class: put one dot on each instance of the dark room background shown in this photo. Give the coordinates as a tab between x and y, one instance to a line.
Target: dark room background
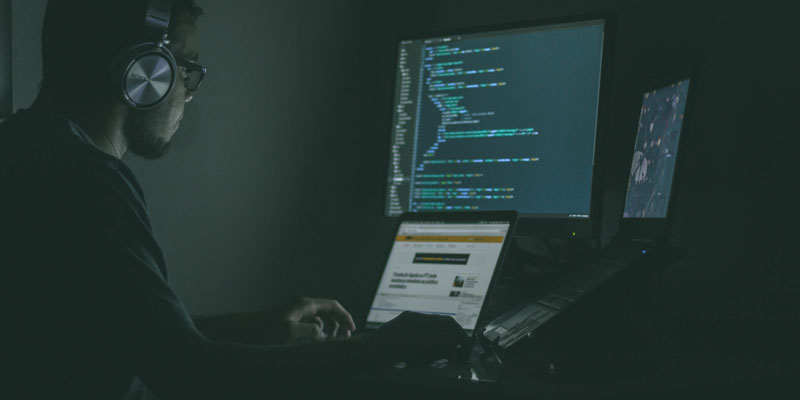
275	184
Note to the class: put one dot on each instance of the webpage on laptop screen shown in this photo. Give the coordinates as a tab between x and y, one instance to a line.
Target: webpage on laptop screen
439	268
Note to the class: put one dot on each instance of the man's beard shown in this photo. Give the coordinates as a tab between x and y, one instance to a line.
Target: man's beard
141	135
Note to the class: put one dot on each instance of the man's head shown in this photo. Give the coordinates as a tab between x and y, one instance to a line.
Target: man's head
80	41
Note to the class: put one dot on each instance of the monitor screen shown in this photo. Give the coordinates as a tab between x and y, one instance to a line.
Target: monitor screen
655	151
500	120
439	267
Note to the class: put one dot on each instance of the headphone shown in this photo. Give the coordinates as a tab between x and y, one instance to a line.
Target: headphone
146	72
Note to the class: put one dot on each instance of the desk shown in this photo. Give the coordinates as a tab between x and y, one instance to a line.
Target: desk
679	375
617	345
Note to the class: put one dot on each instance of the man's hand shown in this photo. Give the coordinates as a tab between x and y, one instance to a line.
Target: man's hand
302	320
317	319
417	338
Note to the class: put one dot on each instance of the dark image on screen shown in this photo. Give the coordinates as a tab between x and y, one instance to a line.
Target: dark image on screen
650	180
497	120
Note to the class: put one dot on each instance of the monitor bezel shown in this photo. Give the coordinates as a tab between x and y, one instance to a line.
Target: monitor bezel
535	224
657	229
455	217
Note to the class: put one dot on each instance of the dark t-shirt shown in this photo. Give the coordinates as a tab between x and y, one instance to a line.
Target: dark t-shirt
88	281
87	300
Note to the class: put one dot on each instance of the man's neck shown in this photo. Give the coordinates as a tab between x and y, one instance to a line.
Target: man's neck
103	123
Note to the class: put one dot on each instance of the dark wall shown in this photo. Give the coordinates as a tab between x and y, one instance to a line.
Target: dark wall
736	193
5	58
275	186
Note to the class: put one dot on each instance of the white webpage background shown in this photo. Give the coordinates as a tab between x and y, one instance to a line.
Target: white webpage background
392	299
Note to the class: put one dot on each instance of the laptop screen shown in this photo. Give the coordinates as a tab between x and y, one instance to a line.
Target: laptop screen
656	149
438	267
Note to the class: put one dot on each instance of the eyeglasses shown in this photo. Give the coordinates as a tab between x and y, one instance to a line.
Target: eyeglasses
193	73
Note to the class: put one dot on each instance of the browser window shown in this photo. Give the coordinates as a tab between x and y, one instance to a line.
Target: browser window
439	268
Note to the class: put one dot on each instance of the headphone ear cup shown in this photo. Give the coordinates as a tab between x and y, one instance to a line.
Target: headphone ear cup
145	75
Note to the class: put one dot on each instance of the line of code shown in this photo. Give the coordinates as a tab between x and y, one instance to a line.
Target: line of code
451	76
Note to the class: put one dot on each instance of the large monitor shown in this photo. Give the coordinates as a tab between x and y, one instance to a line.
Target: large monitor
498	120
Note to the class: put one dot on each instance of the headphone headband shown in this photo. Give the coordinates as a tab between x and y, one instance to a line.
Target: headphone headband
156	22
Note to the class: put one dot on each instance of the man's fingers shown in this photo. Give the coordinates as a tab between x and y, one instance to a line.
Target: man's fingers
341	315
332	327
331	308
318	333
334	331
307	332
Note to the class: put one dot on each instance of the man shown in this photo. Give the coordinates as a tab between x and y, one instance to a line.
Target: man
89	313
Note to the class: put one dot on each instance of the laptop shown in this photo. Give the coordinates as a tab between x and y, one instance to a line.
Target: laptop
442	263
643	228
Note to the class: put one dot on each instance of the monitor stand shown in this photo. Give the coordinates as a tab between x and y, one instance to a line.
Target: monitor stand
535	258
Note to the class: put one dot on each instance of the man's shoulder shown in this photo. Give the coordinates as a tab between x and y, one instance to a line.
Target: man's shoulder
43	152
101	181
27	131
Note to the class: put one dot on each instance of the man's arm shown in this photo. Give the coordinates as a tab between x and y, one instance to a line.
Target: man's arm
251	328
154	334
